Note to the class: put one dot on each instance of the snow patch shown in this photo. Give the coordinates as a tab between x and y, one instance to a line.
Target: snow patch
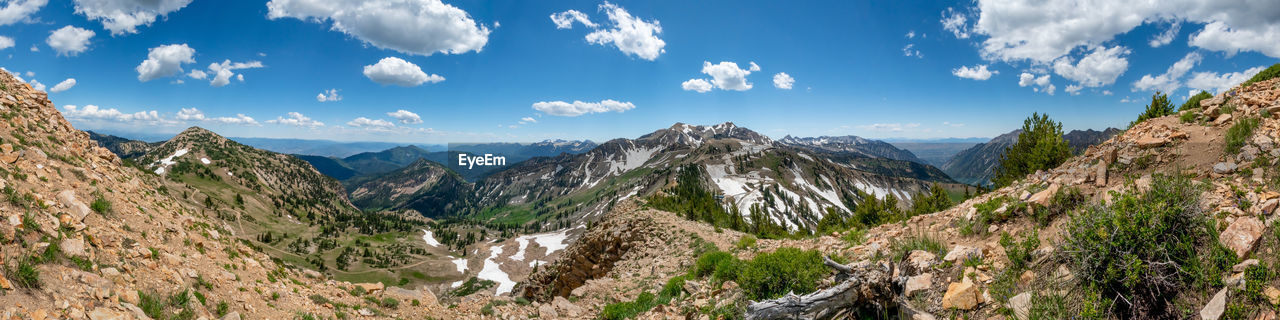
491	272
461	264
204	160
430	240
632	159
523	242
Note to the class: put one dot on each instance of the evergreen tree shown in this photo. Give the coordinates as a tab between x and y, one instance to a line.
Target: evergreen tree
1159	107
1040	146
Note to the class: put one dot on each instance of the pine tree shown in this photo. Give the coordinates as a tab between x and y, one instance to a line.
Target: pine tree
1040	146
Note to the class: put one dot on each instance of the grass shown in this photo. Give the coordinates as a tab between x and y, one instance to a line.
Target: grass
24	275
1239	134
100	205
1271	72
900	248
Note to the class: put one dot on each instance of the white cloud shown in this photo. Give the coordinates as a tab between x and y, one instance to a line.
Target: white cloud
1218	83
69	40
239	119
64	85
952	124
1040	83
911	34
395	71
197	74
1042	31
577	108
528	120
296	119
1167	36
165	61
405	116
329	95
422	27
955	22
724	75
35	84
978	72
1168	81
367	123
564	20
630	34
19	11
1099	68
699	85
1107	92
784	81
190	114
1073	89
910	51
124	16
222	72
34	48
92	112
889	127
6	42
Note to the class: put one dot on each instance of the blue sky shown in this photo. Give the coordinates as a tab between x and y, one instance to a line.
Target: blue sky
488	68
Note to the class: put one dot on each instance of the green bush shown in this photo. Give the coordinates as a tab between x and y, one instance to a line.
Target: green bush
1189	116
1239	134
1145	247
628	309
24	275
1064	201
1159	107
707	263
1194	101
1040	146
1019	252
934	200
745	242
1271	72
100	205
391	303
472	285
771	275
900	248
673	288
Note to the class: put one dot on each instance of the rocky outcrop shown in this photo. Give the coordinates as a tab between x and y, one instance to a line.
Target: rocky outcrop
590	257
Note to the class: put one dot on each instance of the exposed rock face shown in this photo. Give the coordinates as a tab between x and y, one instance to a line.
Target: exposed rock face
962	295
1241	235
590	257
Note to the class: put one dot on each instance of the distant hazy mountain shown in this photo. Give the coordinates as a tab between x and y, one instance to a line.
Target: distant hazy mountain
935	153
977	165
854	144
323	148
398	157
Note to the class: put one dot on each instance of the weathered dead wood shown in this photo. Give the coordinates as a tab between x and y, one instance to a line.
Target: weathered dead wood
862	286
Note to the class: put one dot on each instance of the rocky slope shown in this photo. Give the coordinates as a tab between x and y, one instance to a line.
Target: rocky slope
84	237
123	147
853	144
423	187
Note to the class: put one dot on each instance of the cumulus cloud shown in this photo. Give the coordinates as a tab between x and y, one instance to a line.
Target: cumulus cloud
405	116
955	22
1218	83
64	85
422	27
395	71
565	20
19	11
910	51
124	16
296	119
329	95
190	114
165	61
367	123
724	75
698	85
577	108
528	120
784	81
1098	68
978	72
35	84
630	34
69	40
93	112
6	42
1040	83
1168	81
239	119
1044	30
197	74
1073	89
222	72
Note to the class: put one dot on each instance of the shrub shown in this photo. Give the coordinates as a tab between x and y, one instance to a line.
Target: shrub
934	200
1189	116
673	287
391	303
707	263
1194	101
100	205
1159	107
900	248
1040	146
1239	134
472	285
771	275
1019	252
745	242
1271	72
628	309
24	274
1064	201
1145	247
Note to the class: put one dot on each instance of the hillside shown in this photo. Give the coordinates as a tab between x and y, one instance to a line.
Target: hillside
123	147
87	237
935	153
853	144
377	163
977	165
425	187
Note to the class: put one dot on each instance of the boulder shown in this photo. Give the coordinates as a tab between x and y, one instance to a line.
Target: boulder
1216	306
1224	168
1045	195
372	287
231	316
962	295
1222	119
1241	235
547	311
570	310
404	294
1100	179
1151	142
1273	295
917	283
73	247
1240	267
919	261
1021	305
962	252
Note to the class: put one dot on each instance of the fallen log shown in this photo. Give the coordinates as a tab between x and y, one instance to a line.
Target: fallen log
862	287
